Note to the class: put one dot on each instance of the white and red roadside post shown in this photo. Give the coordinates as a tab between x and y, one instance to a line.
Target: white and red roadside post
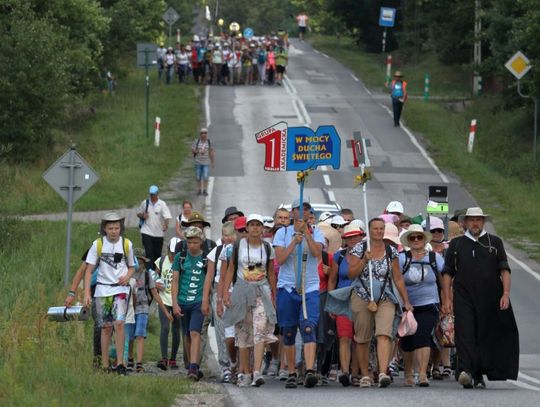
157	132
388	69
472	132
178	35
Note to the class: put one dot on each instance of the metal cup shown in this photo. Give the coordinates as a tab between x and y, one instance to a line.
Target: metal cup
64	314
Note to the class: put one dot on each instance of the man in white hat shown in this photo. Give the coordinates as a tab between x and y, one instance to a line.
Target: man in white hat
477	266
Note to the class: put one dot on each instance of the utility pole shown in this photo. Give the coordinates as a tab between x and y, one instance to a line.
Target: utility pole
477	79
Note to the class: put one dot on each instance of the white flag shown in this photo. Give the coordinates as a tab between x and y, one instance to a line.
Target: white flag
208	16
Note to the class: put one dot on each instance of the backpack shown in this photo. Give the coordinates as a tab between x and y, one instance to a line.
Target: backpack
262	57
141	221
234	256
432	262
181	247
342	254
125	246
198	142
387	256
397	89
147	285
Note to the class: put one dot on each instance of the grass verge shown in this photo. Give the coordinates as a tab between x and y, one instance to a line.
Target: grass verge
47	363
499	173
109	133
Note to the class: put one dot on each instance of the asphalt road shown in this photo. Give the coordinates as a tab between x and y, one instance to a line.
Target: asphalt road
320	91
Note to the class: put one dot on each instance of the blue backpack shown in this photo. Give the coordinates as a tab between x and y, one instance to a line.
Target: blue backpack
262	57
397	90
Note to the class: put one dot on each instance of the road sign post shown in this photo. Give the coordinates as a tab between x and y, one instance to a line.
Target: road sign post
170	16
70	176
387	18
426	87
519	65
144	54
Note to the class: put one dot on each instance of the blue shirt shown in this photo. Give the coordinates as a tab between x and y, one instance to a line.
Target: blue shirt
287	275
343	270
421	292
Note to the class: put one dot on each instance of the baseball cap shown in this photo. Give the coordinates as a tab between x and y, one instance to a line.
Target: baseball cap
296	203
359	223
255	217
268	221
204	130
326	217
240	223
338	220
153	189
395	206
172	244
194	231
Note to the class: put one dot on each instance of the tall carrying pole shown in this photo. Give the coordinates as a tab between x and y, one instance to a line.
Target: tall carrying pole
477	79
535	128
147	92
71	165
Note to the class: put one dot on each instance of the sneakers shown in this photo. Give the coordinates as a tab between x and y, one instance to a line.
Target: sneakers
257	379
226	376
324	381
479	383
344	379
310	379
172	364
393	367
244	380
384	380
283	375
273	368
291	381
465	380
121	370
193	374
162	364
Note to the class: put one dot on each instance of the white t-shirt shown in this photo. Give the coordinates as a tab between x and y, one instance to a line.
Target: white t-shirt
130	316
157	213
254	256
212	257
110	272
302	20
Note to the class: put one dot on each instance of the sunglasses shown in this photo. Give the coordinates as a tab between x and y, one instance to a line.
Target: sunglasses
337	226
243	230
251	267
416	238
437	231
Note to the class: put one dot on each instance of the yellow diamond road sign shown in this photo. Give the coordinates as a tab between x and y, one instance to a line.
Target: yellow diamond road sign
519	65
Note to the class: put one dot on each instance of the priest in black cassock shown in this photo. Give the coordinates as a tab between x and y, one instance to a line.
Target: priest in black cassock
487	339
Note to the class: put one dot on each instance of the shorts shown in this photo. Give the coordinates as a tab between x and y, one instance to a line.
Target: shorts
344	327
365	321
289	308
202	172
280	69
129	331
254	328
111	309
302	29
193	319
141	323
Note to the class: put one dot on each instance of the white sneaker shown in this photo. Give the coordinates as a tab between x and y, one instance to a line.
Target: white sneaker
257	379
283	375
244	380
273	368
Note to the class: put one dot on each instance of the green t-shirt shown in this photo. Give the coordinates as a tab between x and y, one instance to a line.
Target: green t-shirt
281	57
191	281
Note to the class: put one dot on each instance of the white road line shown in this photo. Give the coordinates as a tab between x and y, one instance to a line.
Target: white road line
326	178
291	86
324	55
419	147
331	196
323	168
317	52
524	267
524	385
208	200
298	104
297	111
207	105
237	395
527	377
367	90
304	112
354	77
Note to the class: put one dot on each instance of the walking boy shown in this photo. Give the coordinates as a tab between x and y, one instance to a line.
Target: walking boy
114	254
187	289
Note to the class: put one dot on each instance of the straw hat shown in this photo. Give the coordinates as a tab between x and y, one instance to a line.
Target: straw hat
475	211
398	74
414	229
391	233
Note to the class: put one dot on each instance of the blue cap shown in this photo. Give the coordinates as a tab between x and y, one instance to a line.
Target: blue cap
153	189
296	203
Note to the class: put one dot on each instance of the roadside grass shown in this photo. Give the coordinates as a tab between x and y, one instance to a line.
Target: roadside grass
444	81
499	173
109	133
47	363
